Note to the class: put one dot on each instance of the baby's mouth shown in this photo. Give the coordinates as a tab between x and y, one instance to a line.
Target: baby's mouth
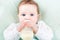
27	20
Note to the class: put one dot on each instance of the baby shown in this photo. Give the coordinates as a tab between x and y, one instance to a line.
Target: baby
29	24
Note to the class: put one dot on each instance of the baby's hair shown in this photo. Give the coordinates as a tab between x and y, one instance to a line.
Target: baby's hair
28	2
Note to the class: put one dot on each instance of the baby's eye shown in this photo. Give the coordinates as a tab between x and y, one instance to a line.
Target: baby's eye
31	14
23	14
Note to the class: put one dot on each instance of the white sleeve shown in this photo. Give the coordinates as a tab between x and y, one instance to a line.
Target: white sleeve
44	32
11	33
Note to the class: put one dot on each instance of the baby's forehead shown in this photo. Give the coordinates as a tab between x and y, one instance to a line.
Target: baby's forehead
27	7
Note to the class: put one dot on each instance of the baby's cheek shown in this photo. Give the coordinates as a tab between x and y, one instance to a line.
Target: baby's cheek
21	19
33	21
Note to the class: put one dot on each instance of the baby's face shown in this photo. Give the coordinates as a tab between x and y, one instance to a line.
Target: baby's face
28	12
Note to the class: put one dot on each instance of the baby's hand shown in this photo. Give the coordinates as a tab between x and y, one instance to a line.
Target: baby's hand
21	26
32	26
28	24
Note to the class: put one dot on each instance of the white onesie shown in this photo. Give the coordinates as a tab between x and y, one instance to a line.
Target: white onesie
44	32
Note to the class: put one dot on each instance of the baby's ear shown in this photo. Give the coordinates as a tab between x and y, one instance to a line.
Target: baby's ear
17	15
38	15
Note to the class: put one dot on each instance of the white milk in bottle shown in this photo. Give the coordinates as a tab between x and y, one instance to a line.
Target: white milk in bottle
26	34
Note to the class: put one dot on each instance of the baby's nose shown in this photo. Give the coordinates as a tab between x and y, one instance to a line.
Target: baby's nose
27	17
